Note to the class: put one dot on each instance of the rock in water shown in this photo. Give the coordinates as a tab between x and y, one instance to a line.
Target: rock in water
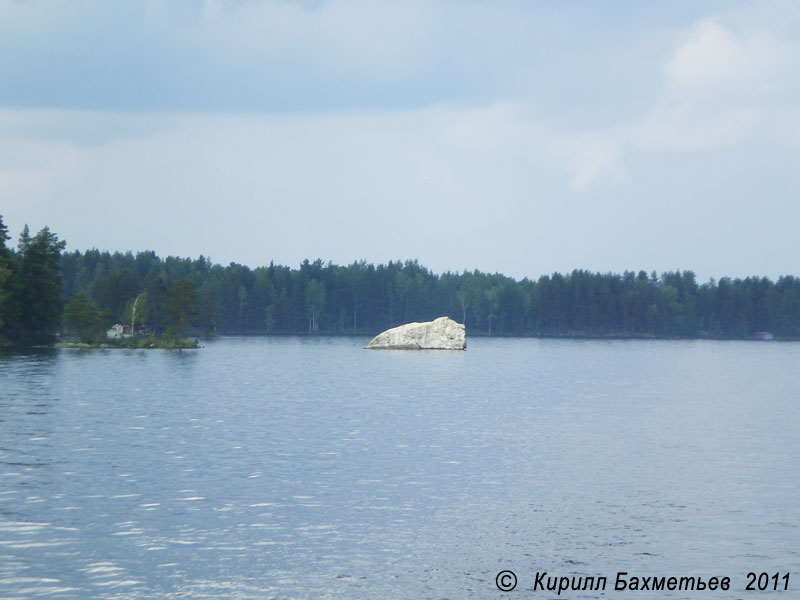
440	334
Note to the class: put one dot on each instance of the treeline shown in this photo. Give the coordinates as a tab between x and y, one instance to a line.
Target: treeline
42	288
31	300
362	298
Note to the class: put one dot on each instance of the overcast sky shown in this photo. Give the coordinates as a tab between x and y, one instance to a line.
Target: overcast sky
510	136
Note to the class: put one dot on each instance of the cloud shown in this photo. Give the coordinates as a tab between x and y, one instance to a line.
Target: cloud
723	87
711	56
245	55
722	79
722	84
498	125
29	165
278	56
682	128
591	158
345	129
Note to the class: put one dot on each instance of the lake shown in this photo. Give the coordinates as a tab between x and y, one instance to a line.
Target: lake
312	468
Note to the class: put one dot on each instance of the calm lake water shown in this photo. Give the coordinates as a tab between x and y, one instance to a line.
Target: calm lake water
311	468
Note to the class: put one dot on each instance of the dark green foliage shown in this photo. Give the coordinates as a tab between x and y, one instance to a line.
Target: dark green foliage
114	289
156	289
364	299
83	318
9	305
137	341
31	301
315	303
41	277
185	295
180	306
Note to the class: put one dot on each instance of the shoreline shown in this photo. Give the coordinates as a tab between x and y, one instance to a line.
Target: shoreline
149	344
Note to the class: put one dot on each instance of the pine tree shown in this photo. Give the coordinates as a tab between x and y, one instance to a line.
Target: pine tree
180	306
40	278
9	305
84	318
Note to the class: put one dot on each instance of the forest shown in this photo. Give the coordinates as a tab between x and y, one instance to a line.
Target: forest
44	289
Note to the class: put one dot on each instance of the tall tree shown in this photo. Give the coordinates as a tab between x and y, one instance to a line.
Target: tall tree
180	306
135	311
156	289
315	301
8	304
40	277
84	318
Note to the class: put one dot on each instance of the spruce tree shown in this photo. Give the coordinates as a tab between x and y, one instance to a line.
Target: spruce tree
40	279
8	299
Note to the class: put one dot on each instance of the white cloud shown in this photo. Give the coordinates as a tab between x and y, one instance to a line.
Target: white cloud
723	87
718	91
498	125
683	128
505	133
592	158
712	56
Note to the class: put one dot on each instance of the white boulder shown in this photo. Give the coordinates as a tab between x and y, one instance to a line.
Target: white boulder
440	334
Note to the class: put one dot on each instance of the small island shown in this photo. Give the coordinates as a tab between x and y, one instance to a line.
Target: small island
88	325
135	342
440	334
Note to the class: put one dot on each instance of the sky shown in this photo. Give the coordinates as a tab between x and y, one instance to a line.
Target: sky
507	136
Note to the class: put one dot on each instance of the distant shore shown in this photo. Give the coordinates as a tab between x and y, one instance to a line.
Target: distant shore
483	335
144	343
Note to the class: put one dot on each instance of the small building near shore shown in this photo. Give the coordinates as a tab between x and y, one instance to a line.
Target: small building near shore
118	331
763	335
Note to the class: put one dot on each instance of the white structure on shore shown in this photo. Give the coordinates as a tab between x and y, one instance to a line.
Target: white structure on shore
118	331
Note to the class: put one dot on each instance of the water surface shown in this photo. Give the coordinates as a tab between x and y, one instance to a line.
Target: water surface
311	468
